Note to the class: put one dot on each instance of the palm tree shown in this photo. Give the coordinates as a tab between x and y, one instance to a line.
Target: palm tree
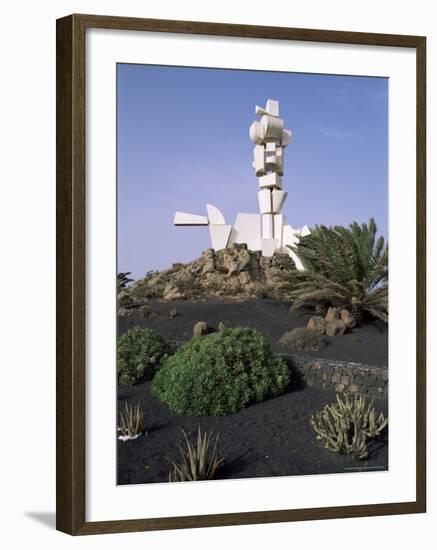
344	267
123	280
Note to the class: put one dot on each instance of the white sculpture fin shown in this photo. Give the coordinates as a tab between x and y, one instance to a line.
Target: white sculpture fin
183	218
219	235
214	215
305	231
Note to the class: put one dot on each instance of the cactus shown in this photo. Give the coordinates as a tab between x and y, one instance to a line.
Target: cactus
346	426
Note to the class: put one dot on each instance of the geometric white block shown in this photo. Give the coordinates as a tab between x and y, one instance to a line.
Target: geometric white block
247	229
274	164
183	218
265	201
219	235
278	222
270	181
259	160
268	246
272	107
280	161
304	231
214	215
274	161
256	132
286	137
267	226
272	128
271	147
278	199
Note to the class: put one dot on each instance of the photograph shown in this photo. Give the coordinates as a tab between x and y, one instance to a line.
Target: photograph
252	274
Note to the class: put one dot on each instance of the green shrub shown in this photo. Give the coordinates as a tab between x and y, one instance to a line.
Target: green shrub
140	352
220	373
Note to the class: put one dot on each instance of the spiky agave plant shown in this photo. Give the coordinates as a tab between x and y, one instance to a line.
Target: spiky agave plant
346	425
130	425
200	461
345	267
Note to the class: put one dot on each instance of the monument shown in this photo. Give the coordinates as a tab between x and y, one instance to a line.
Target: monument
266	231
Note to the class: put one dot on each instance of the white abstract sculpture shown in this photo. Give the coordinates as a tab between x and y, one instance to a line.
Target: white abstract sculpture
266	231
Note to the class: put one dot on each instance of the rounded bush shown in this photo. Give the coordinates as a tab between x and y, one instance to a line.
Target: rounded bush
220	373
140	352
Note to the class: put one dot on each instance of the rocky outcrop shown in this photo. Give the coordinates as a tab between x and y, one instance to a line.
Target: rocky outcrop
233	271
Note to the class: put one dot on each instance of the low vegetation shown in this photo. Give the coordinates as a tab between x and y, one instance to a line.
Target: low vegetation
199	460
302	339
130	424
140	352
347	425
344	267
220	373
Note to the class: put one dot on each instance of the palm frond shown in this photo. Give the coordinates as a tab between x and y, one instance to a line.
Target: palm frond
342	265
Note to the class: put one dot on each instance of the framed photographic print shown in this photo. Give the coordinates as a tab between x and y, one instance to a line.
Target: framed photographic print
240	274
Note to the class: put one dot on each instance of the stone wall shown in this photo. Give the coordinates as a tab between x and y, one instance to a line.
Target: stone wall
340	376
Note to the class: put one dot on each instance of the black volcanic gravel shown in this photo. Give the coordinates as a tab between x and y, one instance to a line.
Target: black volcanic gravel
273	438
366	344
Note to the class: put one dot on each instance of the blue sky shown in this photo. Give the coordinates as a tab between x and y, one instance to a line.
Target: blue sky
183	141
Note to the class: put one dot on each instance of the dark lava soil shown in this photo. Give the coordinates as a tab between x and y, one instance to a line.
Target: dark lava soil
273	438
366	344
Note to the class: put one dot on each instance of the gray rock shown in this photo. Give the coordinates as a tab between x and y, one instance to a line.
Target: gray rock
347	318
335	328
200	328
172	292
332	315
317	324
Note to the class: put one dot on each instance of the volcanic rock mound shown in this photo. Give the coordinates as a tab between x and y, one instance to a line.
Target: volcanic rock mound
233	271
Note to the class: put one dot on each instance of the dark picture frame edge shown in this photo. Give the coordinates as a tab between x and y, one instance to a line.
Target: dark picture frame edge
70	274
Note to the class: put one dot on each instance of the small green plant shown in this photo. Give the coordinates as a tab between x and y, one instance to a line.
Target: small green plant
220	373
131	418
140	352
199	461
346	426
